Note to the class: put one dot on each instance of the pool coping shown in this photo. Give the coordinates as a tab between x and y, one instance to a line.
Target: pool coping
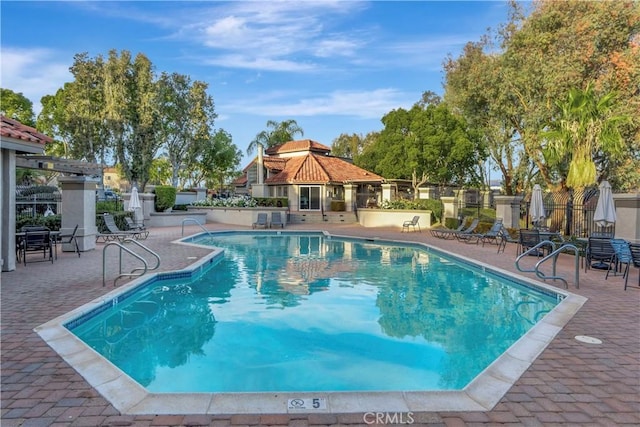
482	394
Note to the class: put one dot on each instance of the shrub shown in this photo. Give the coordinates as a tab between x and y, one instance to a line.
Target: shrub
272	202
52	222
231	202
108	206
435	206
165	197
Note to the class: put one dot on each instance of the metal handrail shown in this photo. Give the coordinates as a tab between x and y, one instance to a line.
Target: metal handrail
197	223
554	255
530	251
155	255
121	274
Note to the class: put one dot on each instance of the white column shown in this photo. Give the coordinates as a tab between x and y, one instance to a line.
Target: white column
8	210
79	208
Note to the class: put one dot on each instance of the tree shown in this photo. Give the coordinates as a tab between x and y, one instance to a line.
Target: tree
428	141
17	106
131	114
566	45
347	146
585	126
220	158
160	171
279	133
507	84
186	119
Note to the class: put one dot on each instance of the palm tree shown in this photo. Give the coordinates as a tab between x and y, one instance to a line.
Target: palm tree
280	133
586	127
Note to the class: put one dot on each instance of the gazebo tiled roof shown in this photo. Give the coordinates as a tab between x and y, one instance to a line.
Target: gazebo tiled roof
321	169
297	146
11	128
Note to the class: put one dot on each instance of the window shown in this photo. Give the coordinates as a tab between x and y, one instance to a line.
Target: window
309	198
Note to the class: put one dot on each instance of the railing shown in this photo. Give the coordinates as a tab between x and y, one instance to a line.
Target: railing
136	272
553	256
197	223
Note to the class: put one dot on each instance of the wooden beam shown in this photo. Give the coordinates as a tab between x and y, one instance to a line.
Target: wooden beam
77	167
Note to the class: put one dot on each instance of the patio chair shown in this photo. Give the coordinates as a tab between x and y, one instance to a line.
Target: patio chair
261	221
411	223
276	220
528	239
599	249
489	236
132	226
452	234
36	240
446	233
621	257
503	238
71	240
113	232
635	258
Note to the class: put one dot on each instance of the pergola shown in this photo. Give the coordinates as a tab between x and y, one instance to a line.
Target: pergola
23	146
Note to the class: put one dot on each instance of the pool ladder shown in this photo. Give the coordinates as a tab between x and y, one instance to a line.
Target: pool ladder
197	223
552	256
136	272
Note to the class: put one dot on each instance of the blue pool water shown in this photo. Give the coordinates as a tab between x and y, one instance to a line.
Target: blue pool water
308	312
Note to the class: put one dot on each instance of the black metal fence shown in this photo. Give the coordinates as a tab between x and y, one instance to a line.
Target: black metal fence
568	212
36	201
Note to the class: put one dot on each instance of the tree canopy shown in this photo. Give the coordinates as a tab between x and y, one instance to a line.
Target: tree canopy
276	133
117	110
508	84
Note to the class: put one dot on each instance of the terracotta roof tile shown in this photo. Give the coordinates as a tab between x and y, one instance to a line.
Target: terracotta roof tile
11	128
300	145
314	168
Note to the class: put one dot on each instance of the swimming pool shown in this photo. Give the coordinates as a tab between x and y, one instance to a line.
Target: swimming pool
259	295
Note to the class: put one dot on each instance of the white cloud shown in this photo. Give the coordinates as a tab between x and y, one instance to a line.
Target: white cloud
33	72
361	104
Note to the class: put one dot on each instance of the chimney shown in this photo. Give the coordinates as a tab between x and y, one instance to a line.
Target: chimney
260	164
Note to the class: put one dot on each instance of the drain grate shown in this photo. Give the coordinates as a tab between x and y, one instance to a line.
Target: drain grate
588	340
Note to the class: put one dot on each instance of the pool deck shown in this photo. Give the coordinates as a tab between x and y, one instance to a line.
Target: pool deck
570	383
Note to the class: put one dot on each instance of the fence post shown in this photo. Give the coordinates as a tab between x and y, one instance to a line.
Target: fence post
450	207
508	208
628	216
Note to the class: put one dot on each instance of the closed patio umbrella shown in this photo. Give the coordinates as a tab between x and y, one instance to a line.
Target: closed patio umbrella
605	214
536	210
134	205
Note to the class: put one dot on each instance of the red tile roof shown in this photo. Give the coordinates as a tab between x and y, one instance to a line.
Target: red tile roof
11	128
314	168
301	145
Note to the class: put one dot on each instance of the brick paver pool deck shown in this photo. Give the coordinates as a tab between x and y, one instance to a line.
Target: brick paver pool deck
570	383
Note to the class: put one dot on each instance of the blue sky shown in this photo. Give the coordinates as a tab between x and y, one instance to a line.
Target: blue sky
333	66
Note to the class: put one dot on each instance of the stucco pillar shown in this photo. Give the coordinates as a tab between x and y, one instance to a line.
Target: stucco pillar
386	192
508	208
79	208
486	198
201	193
349	196
462	198
427	193
8	210
627	216
450	207
148	202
